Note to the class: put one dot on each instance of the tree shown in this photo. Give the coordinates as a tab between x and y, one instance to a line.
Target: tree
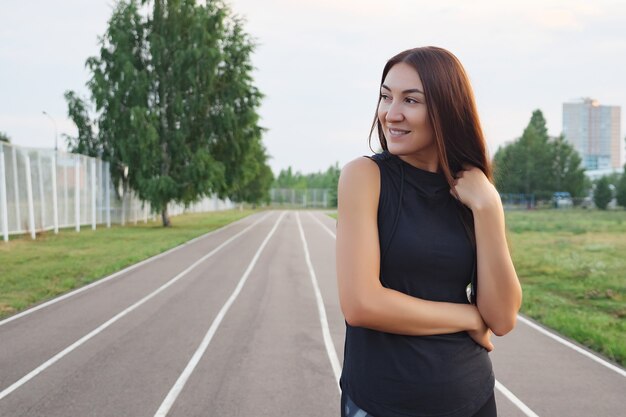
568	174
620	189
328	179
333	177
537	164
525	165
4	137
539	123
602	193
175	102
86	142
285	178
255	189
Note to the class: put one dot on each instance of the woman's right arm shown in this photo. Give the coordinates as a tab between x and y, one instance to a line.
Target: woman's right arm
364	301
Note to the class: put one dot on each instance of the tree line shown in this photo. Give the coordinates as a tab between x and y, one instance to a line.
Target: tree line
175	104
321	180
535	163
538	164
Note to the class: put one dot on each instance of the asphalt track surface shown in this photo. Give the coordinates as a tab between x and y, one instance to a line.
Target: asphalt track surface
245	321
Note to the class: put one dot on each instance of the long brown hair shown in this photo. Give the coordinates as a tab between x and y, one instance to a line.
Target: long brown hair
451	110
452	114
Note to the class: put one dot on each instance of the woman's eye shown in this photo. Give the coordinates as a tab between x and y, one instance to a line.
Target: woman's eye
411	100
384	97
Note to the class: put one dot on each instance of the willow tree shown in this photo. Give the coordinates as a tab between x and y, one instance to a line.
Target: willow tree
175	101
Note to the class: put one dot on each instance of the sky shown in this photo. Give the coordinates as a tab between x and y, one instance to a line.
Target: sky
319	63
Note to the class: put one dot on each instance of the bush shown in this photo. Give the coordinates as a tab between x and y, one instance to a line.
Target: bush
620	192
602	194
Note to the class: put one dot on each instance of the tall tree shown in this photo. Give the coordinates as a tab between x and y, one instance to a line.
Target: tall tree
176	103
539	123
4	137
525	165
568	174
537	164
258	179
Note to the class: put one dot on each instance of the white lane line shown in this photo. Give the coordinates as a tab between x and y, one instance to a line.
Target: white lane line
115	275
330	232
570	345
193	362
523	407
508	394
328	341
103	326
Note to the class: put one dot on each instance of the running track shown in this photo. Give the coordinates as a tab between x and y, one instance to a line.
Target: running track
245	321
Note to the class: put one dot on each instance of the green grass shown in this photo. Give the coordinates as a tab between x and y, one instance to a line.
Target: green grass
34	271
573	271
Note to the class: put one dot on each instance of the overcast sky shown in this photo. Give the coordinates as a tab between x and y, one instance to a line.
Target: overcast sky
318	62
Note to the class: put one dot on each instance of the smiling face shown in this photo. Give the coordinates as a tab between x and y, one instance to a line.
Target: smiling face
403	115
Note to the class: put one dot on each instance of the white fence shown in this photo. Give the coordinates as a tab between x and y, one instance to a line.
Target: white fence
41	189
312	197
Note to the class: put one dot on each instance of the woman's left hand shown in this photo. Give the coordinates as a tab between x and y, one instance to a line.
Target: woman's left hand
474	189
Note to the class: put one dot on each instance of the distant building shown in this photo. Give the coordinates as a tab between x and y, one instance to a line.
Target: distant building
594	131
595	174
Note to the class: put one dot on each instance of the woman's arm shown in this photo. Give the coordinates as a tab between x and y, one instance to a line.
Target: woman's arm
364	301
499	290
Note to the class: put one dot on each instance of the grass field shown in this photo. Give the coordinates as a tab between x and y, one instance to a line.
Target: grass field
572	266
34	271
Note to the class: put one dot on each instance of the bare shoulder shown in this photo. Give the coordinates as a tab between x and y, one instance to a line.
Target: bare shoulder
359	168
359	183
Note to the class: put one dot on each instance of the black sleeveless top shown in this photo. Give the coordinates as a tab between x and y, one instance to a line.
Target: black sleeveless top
428	255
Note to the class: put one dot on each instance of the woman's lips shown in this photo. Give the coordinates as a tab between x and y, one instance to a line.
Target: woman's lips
395	133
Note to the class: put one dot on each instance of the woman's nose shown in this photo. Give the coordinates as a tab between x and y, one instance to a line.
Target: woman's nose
394	114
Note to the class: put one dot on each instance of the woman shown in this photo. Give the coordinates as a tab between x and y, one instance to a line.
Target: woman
416	224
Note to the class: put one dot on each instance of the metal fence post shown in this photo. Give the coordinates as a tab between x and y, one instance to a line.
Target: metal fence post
3	197
93	194
42	201
29	191
66	195
123	220
77	191
55	200
106	175
16	191
99	191
135	210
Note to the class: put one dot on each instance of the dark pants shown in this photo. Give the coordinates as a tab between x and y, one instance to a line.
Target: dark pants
350	409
